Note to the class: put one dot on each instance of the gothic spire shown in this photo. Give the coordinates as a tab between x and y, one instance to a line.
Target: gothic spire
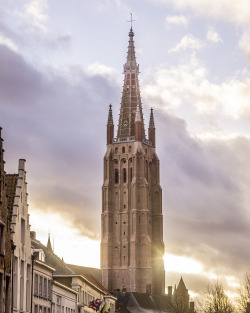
110	126
130	95
110	116
151	119
151	128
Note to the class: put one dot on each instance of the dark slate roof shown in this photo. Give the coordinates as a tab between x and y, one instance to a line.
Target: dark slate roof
142	302
82	270
120	308
52	259
11	182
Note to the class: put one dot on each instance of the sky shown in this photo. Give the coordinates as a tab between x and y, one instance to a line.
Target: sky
61	65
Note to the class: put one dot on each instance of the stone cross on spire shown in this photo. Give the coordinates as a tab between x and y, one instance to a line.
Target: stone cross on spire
131	20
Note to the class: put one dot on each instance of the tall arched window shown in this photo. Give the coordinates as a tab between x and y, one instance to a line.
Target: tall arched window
124	175
116	176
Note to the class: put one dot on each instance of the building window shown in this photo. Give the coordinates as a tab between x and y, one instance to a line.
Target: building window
131	174
44	310
116	176
2	239
36	309
22	231
116	150
123	149
40	309
45	287
28	288
21	284
124	175
40	287
49	289
36	285
58	306
15	274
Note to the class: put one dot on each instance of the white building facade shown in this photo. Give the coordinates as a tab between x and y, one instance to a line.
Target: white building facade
20	228
64	299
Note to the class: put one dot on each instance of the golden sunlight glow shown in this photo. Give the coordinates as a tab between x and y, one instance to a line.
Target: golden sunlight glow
181	264
67	241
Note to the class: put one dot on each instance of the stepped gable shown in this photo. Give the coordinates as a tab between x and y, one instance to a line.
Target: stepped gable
52	259
11	183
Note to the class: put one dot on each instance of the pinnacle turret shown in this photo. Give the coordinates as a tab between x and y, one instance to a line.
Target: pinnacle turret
151	129
151	120
110	126
110	116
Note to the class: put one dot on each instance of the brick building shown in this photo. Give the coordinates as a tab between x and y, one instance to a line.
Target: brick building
5	240
132	245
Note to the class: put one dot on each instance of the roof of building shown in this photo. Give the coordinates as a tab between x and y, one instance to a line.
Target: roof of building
52	259
82	270
138	302
61	268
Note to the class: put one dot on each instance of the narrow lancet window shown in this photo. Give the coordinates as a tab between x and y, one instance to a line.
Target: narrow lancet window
116	176
124	175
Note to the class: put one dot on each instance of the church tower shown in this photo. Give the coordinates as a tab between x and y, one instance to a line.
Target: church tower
132	245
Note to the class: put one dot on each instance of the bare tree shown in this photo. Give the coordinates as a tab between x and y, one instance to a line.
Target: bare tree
244	293
216	301
178	305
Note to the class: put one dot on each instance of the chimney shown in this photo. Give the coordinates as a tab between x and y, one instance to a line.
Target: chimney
191	307
33	235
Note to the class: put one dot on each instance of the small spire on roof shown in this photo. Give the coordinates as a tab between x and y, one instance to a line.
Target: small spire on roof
49	246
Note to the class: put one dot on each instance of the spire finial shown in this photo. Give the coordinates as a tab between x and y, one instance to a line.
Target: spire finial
131	21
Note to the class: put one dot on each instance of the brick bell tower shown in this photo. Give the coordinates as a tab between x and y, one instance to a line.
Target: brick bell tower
132	245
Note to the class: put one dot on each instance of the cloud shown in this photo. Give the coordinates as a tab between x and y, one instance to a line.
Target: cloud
187	42
205	200
8	42
211	108
34	14
228	10
32	18
60	131
244	43
177	20
213	36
